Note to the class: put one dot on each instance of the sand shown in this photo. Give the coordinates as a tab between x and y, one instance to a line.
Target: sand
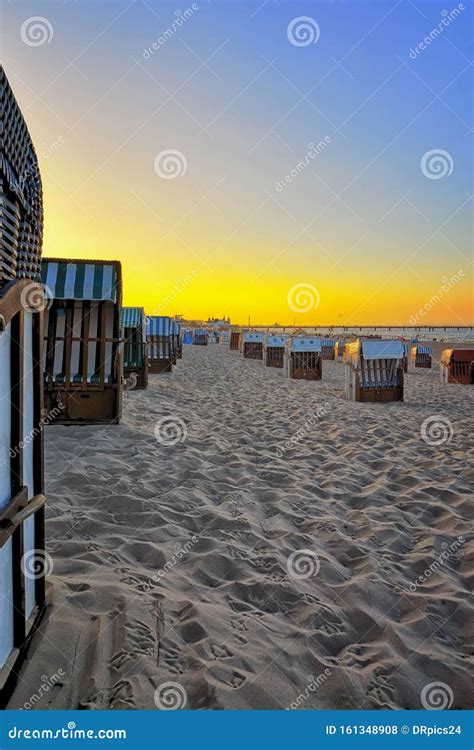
170	562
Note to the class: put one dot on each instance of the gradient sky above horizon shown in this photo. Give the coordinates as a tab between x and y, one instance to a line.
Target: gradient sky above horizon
361	223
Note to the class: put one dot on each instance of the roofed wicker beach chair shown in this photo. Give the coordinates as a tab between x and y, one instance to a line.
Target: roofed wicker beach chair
82	355
406	352
457	366
235	340
135	359
340	347
374	370
253	345
173	342
200	337
421	356
328	349
23	563
158	332
179	339
303	359
274	350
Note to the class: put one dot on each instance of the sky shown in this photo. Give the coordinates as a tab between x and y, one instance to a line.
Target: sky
302	162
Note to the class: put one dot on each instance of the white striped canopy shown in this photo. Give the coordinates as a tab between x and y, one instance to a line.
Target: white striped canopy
80	280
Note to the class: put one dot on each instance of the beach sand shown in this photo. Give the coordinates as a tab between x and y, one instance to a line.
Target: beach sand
171	561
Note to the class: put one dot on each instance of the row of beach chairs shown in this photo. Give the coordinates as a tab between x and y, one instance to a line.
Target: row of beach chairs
374	368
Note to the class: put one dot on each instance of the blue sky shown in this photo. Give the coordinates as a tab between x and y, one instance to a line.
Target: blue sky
230	91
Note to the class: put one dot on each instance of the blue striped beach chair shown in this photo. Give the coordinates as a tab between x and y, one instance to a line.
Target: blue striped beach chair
158	336
135	359
374	370
200	337
82	354
253	345
304	361
22	543
274	350
421	356
328	349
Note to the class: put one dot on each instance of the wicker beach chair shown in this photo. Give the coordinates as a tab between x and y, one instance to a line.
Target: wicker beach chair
421	356
253	345
303	359
274	351
22	543
135	359
158	332
235	340
374	370
200	337
328	349
457	366
82	356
